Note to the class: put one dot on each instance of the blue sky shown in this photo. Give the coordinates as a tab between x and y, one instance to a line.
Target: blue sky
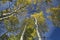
54	32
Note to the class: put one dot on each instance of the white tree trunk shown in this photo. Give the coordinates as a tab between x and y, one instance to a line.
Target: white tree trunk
38	34
23	33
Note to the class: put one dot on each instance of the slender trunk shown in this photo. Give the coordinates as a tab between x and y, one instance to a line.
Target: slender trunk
23	33
38	34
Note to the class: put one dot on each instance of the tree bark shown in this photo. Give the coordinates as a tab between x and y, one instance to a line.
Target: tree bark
23	33
38	34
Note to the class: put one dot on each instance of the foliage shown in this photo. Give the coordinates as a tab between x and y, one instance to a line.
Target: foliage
41	21
4	37
13	20
4	1
14	37
30	32
48	1
11	23
55	16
